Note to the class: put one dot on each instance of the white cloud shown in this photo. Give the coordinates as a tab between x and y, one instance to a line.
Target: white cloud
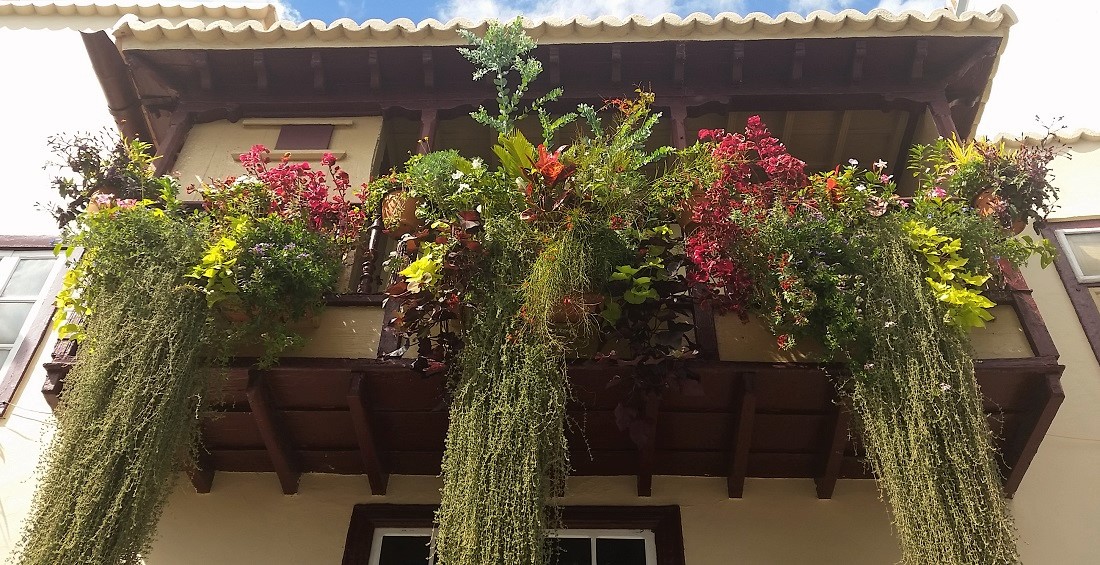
284	11
899	6
536	10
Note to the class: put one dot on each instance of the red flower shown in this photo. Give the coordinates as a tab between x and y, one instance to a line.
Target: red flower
549	165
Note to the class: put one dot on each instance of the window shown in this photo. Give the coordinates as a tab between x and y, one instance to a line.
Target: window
1082	249
384	534
26	277
1078	264
414	546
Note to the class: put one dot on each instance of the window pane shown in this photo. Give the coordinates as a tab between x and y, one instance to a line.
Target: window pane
612	551
574	551
28	278
3	355
12	315
1085	247
404	550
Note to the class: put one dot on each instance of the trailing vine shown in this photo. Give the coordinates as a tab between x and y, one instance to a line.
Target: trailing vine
130	410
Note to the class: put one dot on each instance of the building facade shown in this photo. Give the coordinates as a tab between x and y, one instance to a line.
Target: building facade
321	458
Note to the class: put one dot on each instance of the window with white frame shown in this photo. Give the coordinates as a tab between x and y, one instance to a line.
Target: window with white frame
25	278
1082	249
414	546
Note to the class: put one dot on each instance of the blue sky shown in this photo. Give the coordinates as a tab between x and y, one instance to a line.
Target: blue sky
417	10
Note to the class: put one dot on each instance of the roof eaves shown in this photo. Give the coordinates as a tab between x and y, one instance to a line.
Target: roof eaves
162	34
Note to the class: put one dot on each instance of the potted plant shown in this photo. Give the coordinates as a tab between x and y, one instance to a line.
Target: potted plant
1014	187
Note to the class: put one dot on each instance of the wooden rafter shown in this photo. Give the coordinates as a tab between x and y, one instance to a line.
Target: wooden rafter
1020	453
364	435
920	53
202	65
279	449
844	125
172	143
373	70
553	64
678	115
745	404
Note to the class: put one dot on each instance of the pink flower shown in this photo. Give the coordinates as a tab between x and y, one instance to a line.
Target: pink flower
103	199
127	203
328	159
937	193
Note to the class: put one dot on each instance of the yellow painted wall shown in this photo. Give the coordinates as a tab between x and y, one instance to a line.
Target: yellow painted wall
212	149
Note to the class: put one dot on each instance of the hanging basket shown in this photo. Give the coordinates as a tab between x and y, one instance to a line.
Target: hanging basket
988	203
574	308
399	213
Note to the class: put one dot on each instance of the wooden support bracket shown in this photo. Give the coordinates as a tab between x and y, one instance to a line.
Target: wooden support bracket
372	68
259	66
178	127
678	66
616	63
201	471
1019	454
364	435
647	453
318	65
737	66
858	55
742	435
836	439
279	449
797	59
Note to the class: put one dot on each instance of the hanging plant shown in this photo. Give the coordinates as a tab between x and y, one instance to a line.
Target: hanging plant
129	413
151	291
890	287
513	268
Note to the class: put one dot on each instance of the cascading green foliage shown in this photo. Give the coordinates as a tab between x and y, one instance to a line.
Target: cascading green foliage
130	410
922	422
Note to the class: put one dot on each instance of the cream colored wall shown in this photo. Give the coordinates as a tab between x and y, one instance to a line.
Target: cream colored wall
1078	178
23	433
212	149
245	519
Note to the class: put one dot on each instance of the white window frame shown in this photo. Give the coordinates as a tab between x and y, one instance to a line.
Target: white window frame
1063	242
590	534
9	258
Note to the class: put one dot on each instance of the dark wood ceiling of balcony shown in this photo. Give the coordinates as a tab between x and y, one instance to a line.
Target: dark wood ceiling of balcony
759	75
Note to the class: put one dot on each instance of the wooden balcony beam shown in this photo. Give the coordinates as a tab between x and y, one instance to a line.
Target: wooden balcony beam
797	60
429	67
679	64
920	53
745	402
364	435
373	69
276	441
833	454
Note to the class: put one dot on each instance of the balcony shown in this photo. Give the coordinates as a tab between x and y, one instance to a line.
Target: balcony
335	407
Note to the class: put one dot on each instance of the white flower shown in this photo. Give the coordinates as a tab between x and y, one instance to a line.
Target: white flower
476	162
520	183
463	186
889	324
945	387
456	175
245	179
853	162
861	188
868	366
880	164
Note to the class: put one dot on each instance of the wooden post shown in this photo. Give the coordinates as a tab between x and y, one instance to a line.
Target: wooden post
279	448
364	435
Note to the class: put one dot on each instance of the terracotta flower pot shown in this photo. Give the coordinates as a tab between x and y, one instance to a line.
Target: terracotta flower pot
989	204
574	308
399	213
